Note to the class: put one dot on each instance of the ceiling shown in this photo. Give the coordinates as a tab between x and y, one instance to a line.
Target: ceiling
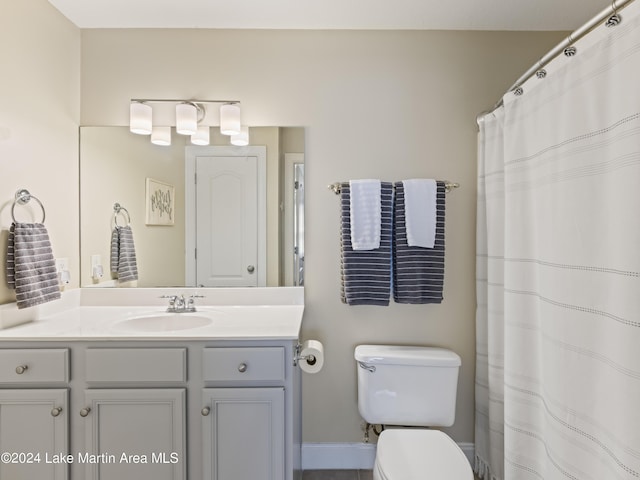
333	14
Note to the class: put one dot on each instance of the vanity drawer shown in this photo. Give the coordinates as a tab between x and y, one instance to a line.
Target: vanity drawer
243	364
136	365
34	365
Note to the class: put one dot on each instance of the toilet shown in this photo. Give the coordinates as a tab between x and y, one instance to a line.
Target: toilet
411	387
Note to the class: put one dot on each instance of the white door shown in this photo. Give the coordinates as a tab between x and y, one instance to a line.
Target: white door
226	217
226	221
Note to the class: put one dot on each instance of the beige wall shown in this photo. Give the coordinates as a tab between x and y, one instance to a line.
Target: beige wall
39	118
387	104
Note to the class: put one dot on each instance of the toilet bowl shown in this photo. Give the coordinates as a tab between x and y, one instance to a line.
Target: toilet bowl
411	386
419	454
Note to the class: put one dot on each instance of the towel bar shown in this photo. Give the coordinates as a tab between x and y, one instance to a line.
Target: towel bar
22	198
448	186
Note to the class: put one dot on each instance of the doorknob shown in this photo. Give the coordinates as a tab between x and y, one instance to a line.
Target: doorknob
250	268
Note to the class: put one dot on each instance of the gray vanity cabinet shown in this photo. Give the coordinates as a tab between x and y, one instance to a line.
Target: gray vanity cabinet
34	413
136	433
244	421
244	433
152	410
33	422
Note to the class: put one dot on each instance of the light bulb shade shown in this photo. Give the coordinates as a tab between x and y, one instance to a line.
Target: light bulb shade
161	136
242	139
201	137
230	119
140	115
186	118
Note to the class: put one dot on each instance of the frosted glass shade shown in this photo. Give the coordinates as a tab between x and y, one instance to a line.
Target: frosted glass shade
201	137
230	119
242	139
186	119
161	136
140	115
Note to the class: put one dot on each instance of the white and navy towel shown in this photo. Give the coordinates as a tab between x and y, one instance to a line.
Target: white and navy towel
366	274
418	272
31	268
123	254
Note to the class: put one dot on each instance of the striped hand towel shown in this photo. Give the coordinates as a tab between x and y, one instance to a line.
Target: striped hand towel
418	273
123	254
31	268
366	274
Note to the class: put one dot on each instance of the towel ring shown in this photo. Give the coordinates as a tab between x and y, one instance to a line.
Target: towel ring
22	198
118	209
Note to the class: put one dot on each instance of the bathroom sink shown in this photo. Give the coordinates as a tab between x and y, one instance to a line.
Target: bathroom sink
164	322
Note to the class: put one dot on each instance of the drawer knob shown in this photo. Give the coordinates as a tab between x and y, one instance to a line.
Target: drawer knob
205	411
20	369
85	411
56	411
242	367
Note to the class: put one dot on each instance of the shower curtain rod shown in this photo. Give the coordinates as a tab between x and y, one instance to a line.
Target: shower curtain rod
613	9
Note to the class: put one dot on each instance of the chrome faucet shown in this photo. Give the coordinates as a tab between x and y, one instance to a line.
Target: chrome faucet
179	304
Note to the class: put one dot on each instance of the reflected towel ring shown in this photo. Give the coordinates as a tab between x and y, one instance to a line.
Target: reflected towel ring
23	197
118	209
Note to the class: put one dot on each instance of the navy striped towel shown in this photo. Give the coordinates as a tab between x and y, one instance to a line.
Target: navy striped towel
31	268
123	254
366	274
418	273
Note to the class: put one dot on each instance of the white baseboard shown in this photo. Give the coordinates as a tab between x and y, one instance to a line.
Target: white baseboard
351	456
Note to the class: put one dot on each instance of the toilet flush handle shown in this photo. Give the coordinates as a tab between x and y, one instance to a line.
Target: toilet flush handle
370	368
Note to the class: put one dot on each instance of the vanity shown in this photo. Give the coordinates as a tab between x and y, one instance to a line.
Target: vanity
97	391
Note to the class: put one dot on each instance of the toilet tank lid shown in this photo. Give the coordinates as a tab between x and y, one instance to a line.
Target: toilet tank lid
406	355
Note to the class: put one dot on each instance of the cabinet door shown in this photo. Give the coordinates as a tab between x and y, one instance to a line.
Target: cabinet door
243	433
34	428
135	434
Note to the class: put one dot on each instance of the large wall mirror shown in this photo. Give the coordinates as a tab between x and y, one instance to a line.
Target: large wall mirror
204	213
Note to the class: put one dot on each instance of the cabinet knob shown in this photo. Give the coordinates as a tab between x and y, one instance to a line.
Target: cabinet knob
242	367
85	411
205	411
251	269
20	369
56	411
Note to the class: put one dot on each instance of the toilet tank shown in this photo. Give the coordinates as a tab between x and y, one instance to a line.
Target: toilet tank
407	385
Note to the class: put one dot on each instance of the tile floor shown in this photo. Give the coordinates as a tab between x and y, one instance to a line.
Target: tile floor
337	475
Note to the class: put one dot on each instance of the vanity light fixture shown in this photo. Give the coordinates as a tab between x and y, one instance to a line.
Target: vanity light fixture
189	116
230	119
201	137
161	136
140	118
242	139
186	118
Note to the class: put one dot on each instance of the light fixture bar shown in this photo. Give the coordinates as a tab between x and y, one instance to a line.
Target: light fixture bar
165	100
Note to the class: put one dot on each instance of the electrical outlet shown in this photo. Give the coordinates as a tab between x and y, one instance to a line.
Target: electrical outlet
62	264
96	267
96	260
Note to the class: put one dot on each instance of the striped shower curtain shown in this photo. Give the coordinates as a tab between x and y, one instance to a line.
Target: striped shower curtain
558	269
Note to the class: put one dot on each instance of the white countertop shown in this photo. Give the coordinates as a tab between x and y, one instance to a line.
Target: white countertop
75	320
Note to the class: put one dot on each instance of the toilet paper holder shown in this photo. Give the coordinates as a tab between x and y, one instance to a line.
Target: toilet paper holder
310	359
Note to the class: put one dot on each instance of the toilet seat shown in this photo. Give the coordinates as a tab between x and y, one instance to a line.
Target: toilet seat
416	454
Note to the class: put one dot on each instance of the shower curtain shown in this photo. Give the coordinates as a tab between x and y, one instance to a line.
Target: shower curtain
558	269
